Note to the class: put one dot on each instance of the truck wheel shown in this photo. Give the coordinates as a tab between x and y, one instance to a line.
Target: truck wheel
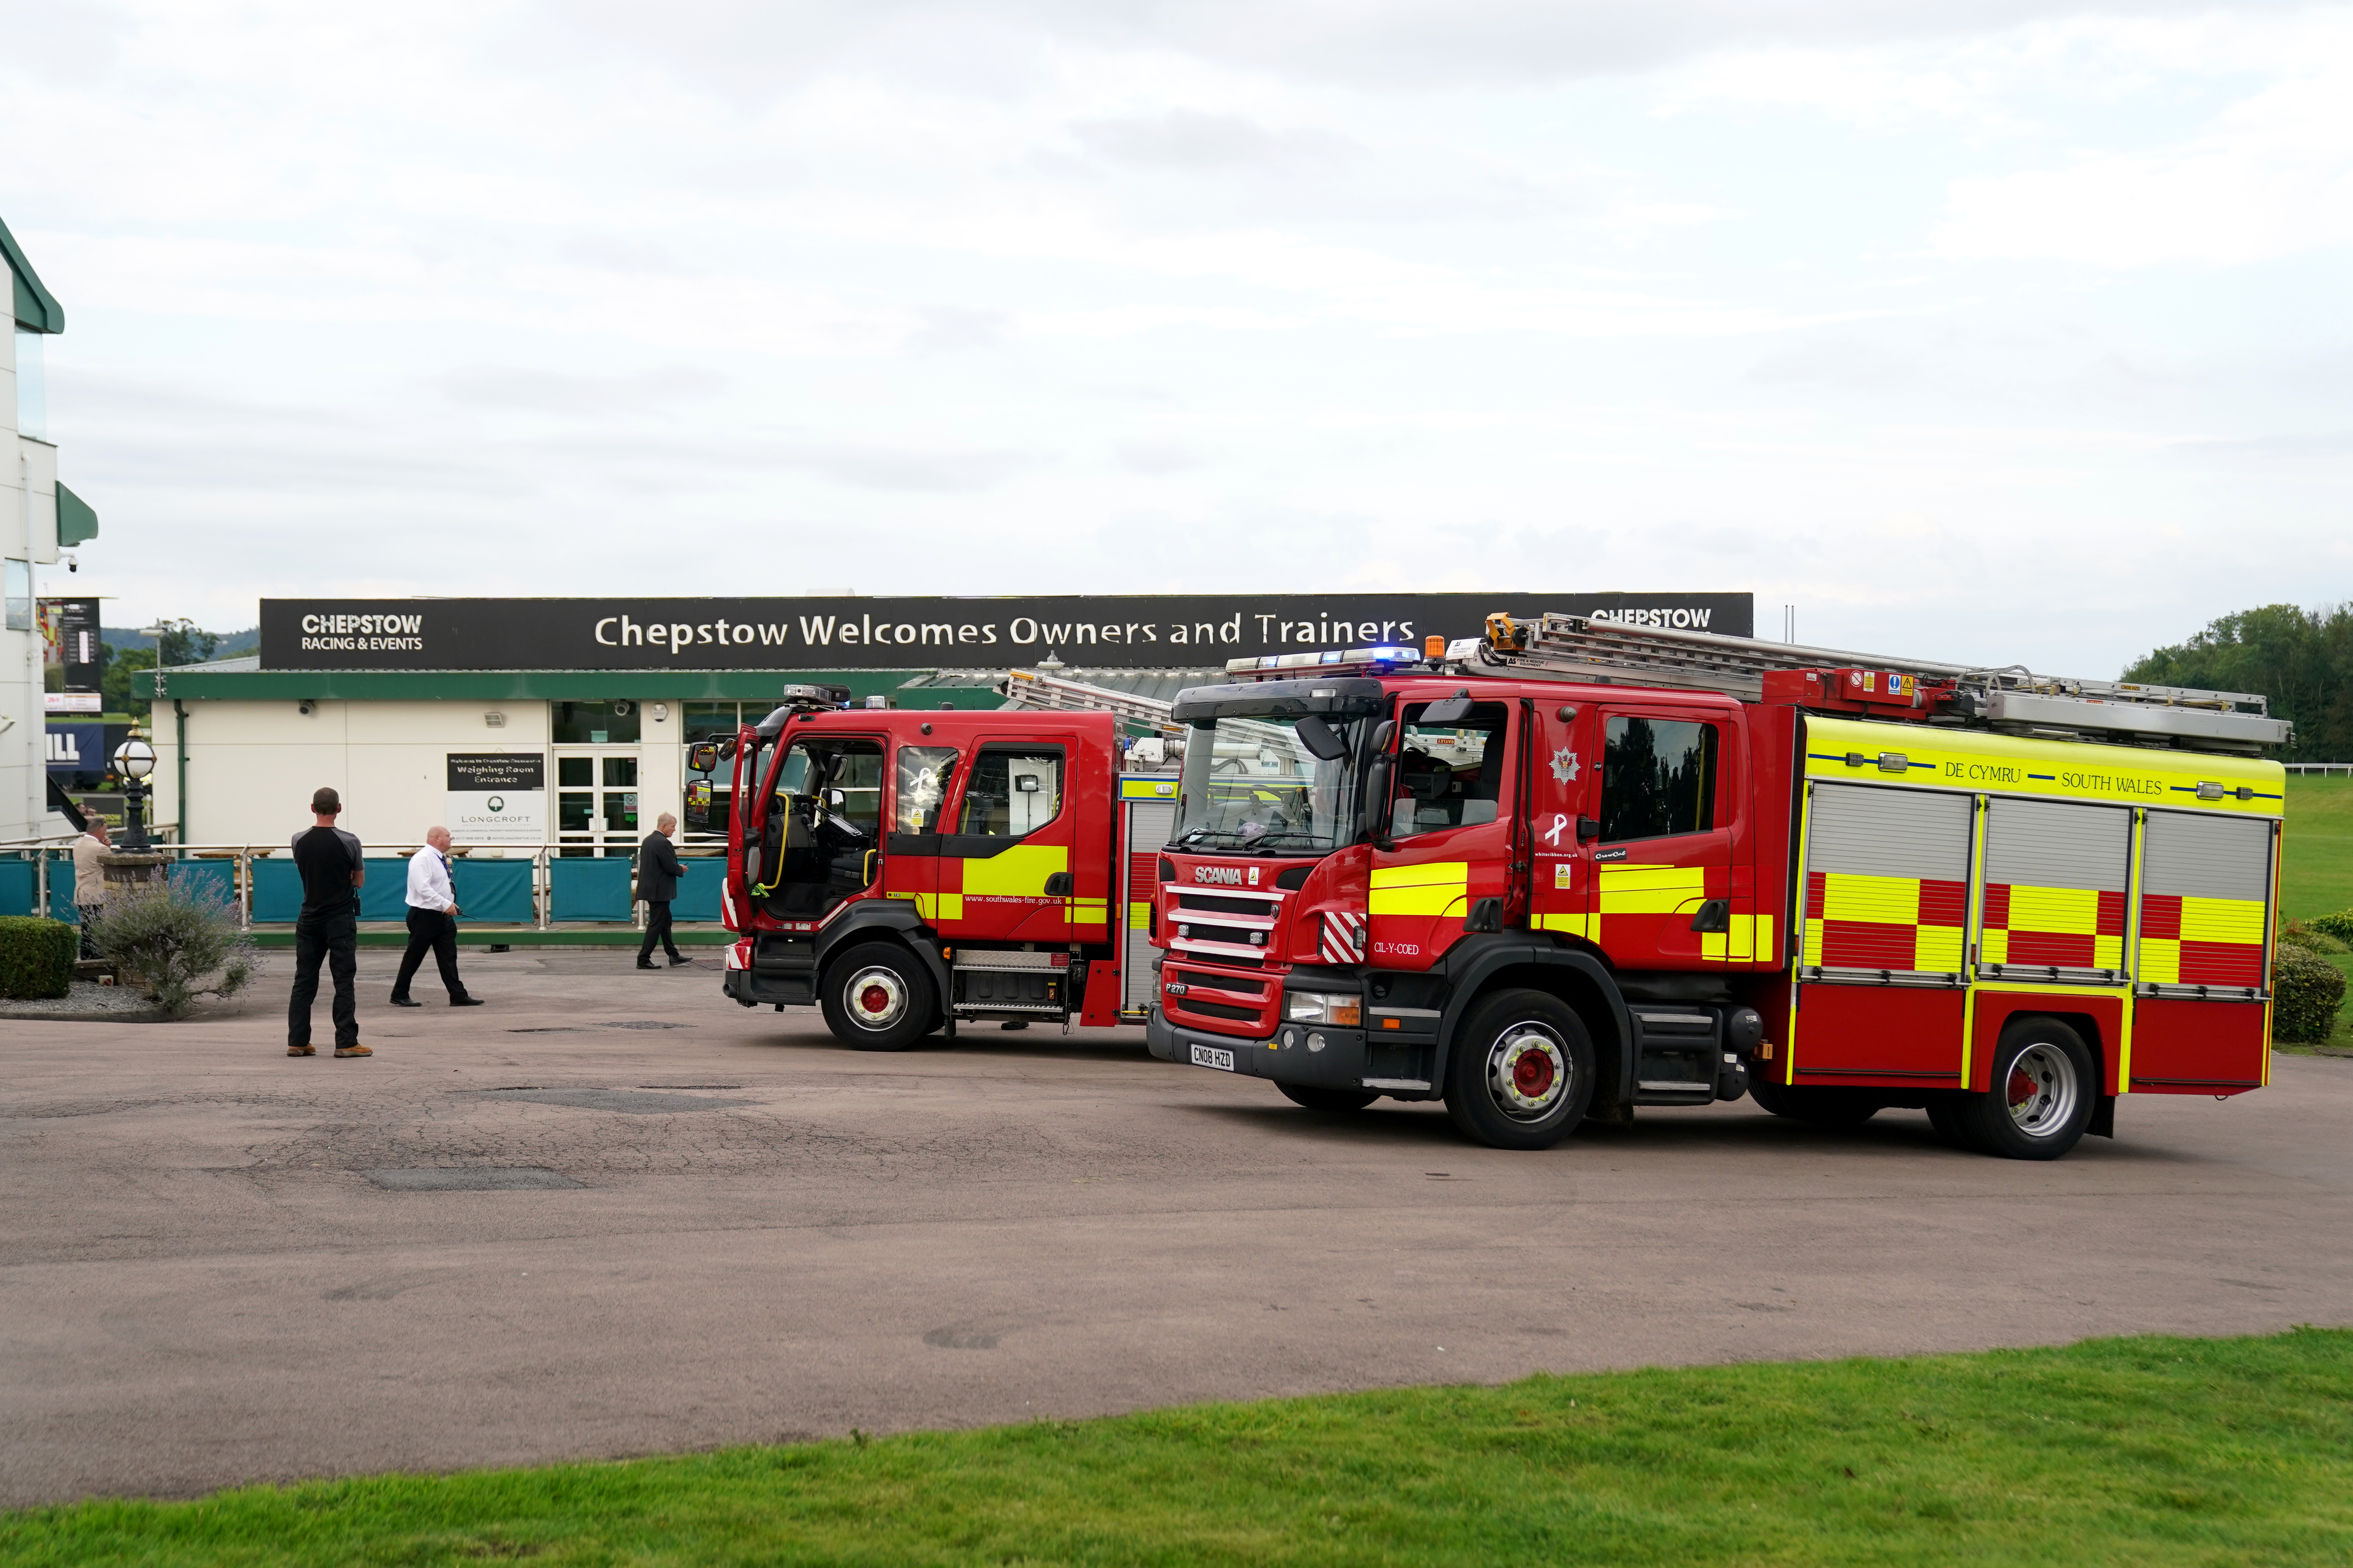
1822	1105
1327	1099
2044	1091
1522	1071
876	997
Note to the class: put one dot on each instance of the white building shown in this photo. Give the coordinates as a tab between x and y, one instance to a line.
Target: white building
38	519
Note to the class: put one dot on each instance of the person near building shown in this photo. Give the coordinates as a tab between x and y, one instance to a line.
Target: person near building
332	866
658	869
89	878
432	922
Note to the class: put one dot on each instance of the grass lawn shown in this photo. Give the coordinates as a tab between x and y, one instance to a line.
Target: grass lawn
2317	853
2113	1451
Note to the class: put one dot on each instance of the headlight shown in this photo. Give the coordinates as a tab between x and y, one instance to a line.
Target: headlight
1315	1007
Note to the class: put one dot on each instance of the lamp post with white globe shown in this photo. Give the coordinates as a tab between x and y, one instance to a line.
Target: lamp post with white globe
134	760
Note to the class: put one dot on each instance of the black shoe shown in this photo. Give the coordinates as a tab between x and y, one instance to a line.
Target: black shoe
465	1001
645	964
405	1002
675	961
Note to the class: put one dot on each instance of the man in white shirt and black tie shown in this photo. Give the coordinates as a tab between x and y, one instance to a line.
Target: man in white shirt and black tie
432	922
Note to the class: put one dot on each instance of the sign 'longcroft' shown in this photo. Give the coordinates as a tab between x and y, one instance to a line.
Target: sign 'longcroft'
1179	631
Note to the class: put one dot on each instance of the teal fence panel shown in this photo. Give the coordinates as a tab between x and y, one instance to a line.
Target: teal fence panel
61	890
494	892
213	880
698	891
19	885
385	895
586	888
277	891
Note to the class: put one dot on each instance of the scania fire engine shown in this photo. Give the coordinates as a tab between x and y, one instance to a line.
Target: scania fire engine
1570	868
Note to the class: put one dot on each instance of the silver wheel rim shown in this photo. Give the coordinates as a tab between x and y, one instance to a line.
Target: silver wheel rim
1527	1071
875	998
2041	1090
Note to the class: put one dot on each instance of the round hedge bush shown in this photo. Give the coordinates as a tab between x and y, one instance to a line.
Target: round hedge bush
2307	991
36	957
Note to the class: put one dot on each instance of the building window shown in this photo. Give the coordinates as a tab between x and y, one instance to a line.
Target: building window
20	596
32	387
595	724
709	721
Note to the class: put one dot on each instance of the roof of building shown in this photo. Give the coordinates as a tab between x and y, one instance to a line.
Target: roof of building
38	309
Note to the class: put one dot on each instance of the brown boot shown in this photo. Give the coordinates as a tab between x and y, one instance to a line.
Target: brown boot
302	1051
354	1051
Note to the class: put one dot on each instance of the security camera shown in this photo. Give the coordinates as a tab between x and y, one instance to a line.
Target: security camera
72	564
621	709
304	707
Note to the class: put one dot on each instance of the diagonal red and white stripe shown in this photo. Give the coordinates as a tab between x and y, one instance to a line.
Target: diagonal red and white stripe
1344	938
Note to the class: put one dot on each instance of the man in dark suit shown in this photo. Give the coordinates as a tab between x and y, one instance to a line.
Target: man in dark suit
658	869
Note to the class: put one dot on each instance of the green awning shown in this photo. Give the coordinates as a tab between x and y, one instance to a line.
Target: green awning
77	523
38	309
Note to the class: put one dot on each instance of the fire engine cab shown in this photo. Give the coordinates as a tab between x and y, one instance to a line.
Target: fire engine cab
1569	868
905	870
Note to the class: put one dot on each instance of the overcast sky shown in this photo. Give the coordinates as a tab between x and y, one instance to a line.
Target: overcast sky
1978	329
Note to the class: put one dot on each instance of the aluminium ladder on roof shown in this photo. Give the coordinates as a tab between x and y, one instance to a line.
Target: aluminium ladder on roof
1022	688
1582	647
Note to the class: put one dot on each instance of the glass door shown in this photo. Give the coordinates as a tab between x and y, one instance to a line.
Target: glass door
597	802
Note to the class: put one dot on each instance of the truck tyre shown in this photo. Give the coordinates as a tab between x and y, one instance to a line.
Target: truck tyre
2045	1088
877	998
1521	1073
1944	1119
1327	1099
1822	1105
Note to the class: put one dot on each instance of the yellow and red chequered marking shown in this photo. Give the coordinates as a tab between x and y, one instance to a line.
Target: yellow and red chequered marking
1855	922
2065	928
2200	942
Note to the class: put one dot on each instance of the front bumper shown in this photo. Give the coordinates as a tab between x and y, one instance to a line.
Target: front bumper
1344	1060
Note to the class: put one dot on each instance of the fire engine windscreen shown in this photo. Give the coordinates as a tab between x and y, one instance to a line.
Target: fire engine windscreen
1256	784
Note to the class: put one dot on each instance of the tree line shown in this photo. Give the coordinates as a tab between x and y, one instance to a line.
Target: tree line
2300	660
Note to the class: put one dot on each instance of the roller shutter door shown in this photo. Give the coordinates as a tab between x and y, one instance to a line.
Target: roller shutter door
1887	875
1150	824
2206	883
2055	874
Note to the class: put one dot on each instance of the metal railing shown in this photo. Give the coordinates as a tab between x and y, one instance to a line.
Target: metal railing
2318	767
52	854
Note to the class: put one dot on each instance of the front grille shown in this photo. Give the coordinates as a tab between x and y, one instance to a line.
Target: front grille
1220	981
1201	931
1223	906
1219	1010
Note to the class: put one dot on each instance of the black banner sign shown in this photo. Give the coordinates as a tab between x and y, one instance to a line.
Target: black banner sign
473	774
1175	631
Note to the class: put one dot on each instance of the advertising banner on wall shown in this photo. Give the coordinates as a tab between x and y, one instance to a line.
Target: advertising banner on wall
497	799
72	659
1170	631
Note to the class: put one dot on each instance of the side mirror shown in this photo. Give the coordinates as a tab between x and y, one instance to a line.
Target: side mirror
1321	743
1026	783
1384	734
1587	830
702	756
837	798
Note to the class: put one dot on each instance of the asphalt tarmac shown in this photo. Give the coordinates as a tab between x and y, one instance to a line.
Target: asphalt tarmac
697	1225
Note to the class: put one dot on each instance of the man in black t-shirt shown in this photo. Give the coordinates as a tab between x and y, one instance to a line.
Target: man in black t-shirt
331	868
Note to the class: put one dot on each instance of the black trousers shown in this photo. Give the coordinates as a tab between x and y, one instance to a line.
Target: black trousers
335	940
657	929
433	931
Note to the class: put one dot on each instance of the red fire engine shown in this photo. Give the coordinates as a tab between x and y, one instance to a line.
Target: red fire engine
1571	868
906	870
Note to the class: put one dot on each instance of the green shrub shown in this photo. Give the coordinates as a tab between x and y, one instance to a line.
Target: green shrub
2310	938
2305	992
2339	925
36	957
169	942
